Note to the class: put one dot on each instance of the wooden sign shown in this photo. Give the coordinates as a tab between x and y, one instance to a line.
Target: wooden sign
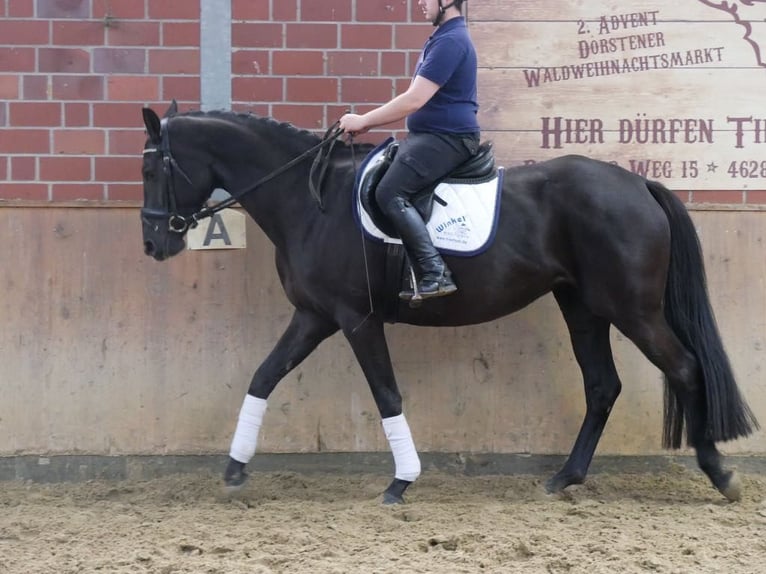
671	90
224	230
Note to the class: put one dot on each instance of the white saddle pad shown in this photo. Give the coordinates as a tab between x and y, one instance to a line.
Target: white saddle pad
464	216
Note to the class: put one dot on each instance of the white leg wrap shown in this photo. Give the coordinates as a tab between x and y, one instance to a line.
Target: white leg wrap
249	423
405	456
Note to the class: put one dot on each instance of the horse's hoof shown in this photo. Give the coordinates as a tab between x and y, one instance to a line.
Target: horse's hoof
551	486
234	483
559	482
389	499
394	494
732	490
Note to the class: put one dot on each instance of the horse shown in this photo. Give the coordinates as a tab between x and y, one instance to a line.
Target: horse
614	248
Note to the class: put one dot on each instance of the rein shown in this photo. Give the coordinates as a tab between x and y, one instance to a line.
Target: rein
332	134
322	160
178	223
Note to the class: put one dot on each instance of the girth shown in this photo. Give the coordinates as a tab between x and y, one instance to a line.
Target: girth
480	167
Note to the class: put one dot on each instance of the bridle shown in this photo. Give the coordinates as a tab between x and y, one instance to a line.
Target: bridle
178	223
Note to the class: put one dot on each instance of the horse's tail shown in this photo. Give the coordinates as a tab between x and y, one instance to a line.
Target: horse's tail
690	315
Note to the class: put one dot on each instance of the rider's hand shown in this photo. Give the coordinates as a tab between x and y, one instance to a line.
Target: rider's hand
353	124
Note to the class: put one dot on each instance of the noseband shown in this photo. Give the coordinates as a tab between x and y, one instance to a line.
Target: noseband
177	223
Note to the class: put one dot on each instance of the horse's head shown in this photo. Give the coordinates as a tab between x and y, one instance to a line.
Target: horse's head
176	185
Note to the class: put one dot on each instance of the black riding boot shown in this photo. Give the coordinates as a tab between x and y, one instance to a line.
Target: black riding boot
434	278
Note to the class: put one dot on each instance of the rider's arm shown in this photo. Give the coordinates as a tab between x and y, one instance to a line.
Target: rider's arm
420	91
417	95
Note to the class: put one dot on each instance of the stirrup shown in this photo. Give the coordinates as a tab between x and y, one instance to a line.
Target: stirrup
444	286
412	292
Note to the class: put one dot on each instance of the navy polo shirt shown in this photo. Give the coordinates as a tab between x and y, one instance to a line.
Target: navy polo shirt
449	60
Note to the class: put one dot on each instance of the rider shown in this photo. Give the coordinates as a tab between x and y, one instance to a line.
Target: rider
443	132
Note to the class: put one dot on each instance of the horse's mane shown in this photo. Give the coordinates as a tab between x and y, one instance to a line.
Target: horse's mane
257	123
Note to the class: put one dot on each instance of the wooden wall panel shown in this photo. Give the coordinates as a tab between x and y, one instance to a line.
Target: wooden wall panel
559	43
675	67
684	10
500	106
105	351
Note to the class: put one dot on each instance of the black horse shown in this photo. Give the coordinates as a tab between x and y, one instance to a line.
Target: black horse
614	248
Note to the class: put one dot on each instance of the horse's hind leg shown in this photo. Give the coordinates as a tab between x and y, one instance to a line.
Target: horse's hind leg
592	349
654	337
303	334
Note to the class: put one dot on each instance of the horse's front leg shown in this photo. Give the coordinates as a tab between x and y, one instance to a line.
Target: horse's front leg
304	333
368	341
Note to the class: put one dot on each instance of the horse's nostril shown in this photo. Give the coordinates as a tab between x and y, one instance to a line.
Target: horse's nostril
149	247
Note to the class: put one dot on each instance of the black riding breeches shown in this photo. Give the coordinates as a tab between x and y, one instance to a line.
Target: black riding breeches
422	159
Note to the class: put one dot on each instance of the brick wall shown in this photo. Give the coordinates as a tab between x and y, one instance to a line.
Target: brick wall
75	73
306	62
73	77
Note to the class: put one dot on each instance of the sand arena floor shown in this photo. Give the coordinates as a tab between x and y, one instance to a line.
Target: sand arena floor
672	522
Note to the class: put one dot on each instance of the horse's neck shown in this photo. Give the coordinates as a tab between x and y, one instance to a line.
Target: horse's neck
278	206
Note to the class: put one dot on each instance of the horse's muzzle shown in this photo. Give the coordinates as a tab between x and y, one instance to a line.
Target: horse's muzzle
163	233
150	249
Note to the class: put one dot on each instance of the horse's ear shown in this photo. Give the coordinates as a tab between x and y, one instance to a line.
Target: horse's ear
173	109
152	123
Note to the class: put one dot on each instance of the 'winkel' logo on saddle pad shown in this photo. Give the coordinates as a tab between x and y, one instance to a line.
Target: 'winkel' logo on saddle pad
464	215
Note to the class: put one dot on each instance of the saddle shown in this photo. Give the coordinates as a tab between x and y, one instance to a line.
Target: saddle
477	169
